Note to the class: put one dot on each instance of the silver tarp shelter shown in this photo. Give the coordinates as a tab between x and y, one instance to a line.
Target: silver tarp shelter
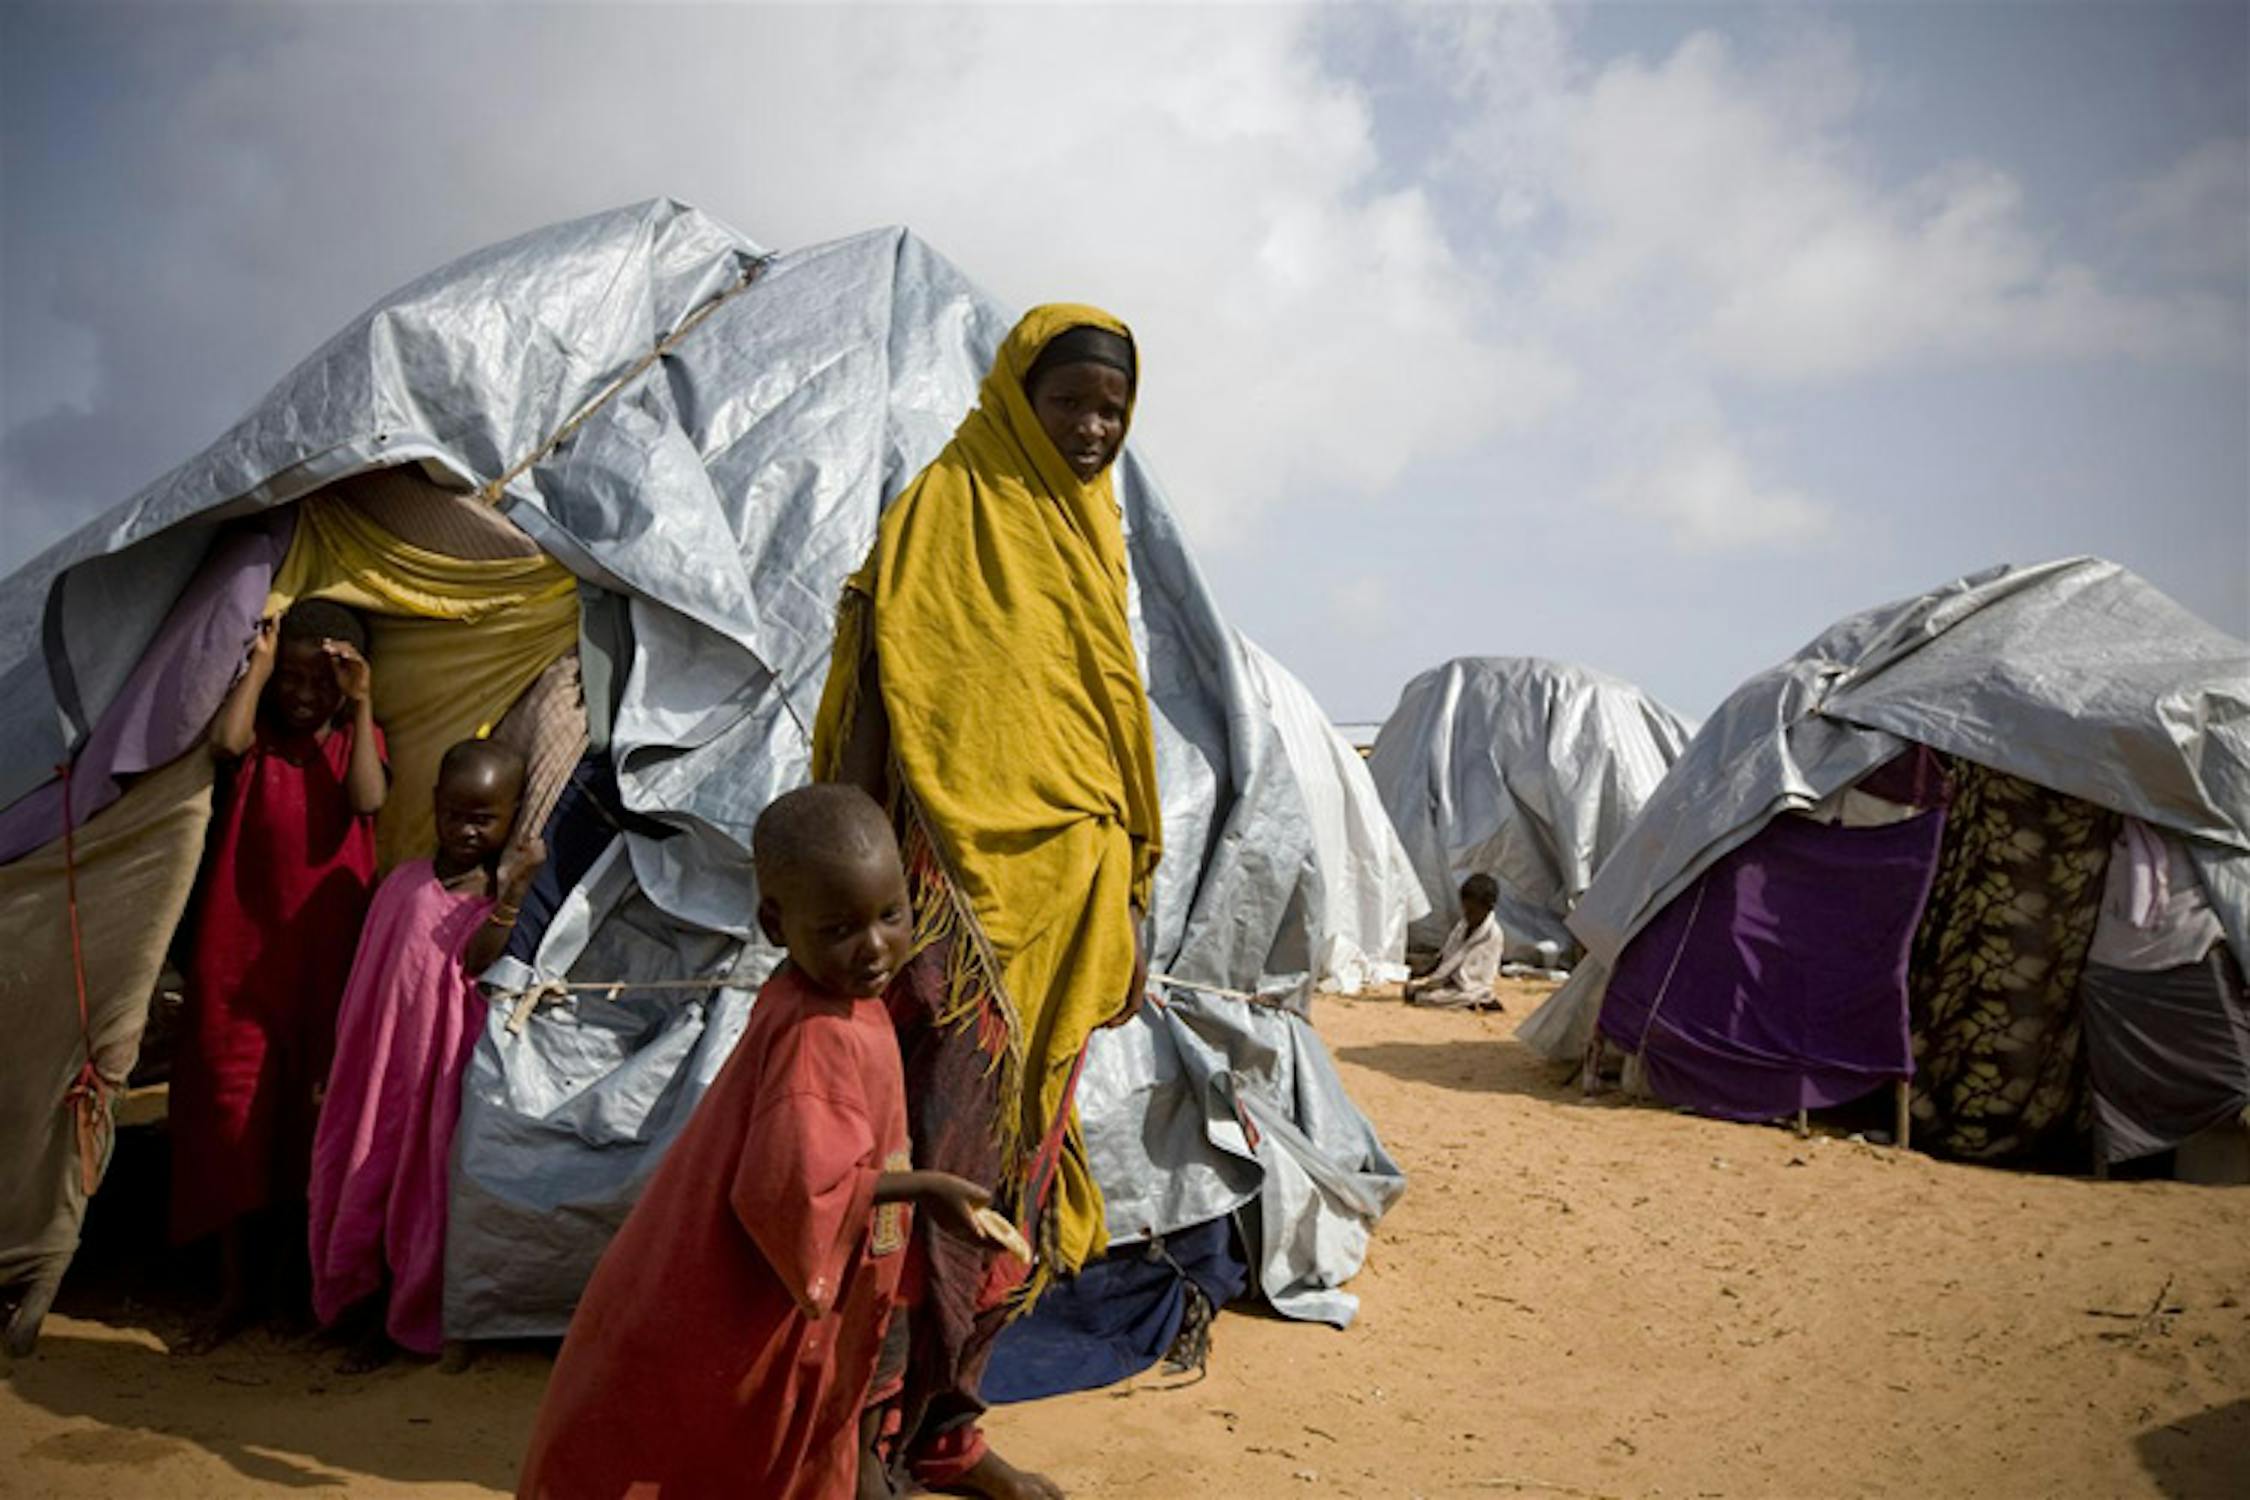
2077	675
1369	891
710	500
1526	770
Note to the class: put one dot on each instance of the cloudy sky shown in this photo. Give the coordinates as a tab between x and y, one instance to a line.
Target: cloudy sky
1653	336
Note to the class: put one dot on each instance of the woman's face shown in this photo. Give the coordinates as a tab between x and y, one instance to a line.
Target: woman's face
1083	408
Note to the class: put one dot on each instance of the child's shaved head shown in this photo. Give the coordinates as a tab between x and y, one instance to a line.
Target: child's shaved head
827	823
484	761
830	889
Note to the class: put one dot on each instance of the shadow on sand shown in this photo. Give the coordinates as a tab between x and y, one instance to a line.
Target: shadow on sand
256	1404
2203	1457
1475	1065
269	1407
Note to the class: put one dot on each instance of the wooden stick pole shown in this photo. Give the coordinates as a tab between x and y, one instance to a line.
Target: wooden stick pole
1903	1124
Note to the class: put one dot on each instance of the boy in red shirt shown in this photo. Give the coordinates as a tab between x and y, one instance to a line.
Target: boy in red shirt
727	1341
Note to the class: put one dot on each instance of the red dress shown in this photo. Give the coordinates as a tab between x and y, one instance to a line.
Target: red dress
726	1342
278	915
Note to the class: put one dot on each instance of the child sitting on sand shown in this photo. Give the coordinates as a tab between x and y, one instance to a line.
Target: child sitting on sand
1470	960
728	1339
292	861
410	1018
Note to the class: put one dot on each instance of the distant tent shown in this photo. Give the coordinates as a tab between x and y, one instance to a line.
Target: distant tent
1891	857
674	445
1523	769
1368	891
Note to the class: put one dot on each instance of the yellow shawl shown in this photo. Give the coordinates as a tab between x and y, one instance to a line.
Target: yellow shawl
1021	751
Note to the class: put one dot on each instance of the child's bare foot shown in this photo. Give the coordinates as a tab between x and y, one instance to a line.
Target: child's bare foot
996	1479
456	1357
295	1324
228	1321
373	1351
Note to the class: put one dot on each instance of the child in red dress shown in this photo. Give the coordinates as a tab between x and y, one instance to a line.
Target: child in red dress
727	1341
292	861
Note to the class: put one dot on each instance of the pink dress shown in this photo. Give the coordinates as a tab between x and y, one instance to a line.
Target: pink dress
409	1020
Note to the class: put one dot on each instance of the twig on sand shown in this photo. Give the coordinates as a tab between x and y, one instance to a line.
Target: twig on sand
1542	1486
2141	1321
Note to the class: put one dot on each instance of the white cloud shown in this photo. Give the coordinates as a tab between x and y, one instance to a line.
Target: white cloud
1699	487
1696	231
1366	604
2194	216
1202	174
1719	185
1589	274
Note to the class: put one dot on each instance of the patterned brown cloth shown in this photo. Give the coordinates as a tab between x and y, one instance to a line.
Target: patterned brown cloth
406	503
1993	978
548	725
941	1337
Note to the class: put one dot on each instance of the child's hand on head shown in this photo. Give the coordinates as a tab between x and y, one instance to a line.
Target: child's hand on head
355	678
265	640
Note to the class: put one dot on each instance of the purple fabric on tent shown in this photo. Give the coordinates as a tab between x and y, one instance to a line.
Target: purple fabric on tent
1915	777
167	702
1778	980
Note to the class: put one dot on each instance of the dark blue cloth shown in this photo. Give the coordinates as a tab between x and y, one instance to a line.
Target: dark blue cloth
587	816
1115	1318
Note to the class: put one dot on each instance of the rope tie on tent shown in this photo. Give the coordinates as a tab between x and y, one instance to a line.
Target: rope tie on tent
493	493
1190	1350
1166	981
88	1095
548	992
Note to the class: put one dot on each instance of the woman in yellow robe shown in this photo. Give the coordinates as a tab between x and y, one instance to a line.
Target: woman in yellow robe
985	687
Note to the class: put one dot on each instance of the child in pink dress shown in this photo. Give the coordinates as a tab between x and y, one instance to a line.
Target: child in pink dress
409	1021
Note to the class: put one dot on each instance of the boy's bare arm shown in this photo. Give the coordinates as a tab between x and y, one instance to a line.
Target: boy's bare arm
955	1200
866	761
517	867
236	723
365	780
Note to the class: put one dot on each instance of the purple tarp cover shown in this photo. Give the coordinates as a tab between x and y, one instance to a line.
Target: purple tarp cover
167	702
1778	980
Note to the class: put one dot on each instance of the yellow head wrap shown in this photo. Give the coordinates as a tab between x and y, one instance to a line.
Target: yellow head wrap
995	604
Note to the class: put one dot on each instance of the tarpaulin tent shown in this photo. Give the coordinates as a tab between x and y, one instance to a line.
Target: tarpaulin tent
702	434
1523	769
1759	947
1368	888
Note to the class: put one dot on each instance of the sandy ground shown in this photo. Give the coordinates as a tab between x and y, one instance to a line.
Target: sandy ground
1572	1299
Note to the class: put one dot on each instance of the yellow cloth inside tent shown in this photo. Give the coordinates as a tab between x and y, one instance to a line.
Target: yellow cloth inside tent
453	643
